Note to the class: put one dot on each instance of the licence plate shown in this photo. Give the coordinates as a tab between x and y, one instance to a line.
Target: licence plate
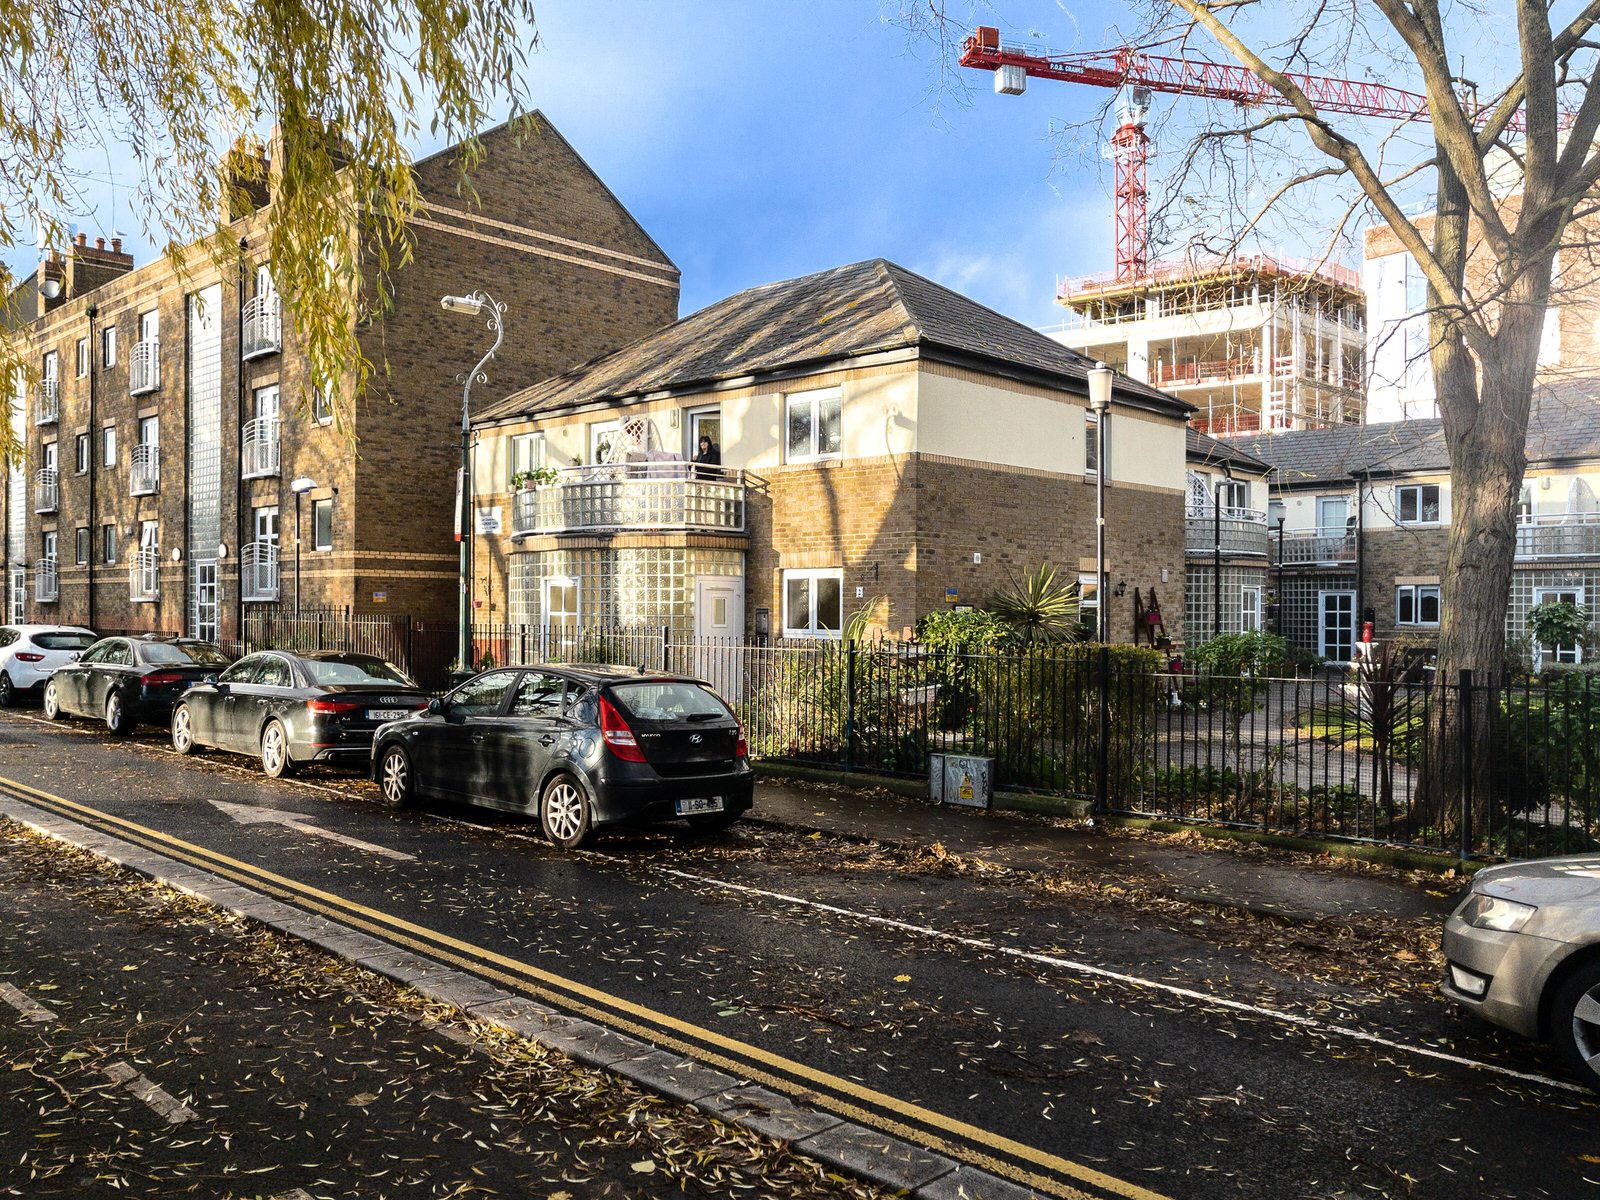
704	804
387	714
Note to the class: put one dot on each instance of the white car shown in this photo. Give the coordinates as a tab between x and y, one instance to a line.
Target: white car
29	653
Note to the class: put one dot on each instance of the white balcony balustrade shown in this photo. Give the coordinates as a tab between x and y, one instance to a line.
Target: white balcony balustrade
144	575
263	326
46	490
647	495
46	582
1237	531
1318	547
144	477
1559	535
144	367
48	402
258	451
258	571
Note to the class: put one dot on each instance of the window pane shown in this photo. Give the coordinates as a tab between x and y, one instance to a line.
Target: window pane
1091	443
800	431
1405	611
482	696
322	515
830	434
1408	504
797	604
830	605
538	696
339	667
1430	503
1428	606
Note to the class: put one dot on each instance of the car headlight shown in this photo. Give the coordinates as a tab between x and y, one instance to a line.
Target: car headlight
1491	912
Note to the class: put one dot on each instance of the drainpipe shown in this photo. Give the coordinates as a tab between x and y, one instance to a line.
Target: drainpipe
92	311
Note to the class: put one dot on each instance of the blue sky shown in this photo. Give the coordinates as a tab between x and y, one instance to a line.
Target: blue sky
758	140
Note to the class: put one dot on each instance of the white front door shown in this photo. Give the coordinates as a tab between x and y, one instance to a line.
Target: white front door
704	422
1250	609
1332	513
719	632
1566	653
1336	625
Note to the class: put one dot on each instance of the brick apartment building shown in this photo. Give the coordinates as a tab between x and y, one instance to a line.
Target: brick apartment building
167	423
879	436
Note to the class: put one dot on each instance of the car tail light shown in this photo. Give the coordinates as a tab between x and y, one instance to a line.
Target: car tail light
332	706
31	657
157	678
742	750
617	734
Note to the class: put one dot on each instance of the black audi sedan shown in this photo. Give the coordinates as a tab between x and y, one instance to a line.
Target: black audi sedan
292	709
130	680
581	746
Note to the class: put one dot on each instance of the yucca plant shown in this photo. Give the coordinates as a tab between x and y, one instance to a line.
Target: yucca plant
1039	607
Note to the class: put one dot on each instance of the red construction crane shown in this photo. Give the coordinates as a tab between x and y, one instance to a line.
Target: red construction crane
1143	74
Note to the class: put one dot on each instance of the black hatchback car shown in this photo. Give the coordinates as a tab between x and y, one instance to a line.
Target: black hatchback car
582	746
128	681
292	709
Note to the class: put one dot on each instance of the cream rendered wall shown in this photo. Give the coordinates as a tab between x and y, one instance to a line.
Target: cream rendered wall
1381	508
1557	500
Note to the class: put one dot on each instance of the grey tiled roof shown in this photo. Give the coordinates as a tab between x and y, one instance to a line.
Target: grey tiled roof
1204	449
849	312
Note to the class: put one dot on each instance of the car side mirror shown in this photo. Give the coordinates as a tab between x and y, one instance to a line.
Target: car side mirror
211	679
436	706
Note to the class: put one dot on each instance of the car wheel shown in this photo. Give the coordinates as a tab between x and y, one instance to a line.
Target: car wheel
712	822
564	812
117	719
275	760
395	781
52	702
183	731
1575	1023
8	691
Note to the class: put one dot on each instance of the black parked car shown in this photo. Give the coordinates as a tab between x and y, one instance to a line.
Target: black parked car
130	680
293	709
582	746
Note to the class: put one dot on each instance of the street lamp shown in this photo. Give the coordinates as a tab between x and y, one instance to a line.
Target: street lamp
476	304
1100	377
299	487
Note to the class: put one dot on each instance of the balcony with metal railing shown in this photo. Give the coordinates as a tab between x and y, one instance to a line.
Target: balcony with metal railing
48	402
144	575
46	490
1318	547
258	571
258	449
1559	535
144	367
263	326
46	582
668	495
144	475
1240	532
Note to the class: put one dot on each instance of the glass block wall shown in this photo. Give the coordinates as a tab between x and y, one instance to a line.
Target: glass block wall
627	586
1299	600
1199	586
1523	583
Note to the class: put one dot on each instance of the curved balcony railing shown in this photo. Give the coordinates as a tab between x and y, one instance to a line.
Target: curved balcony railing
1315	547
263	326
1240	532
144	367
48	409
652	495
144	574
46	490
144	476
1559	535
46	583
258	571
258	451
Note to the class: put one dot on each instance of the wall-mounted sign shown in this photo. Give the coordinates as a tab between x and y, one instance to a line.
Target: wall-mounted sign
489	521
380	597
952	595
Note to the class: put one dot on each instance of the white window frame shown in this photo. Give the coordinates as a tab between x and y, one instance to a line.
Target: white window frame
1419	489
1415	593
517	459
108	446
321	406
813	400
597	432
1322	520
316	507
1566	652
108	544
108	346
51	369
83	452
150	431
811	576
1249	609
691	427
576	613
81	362
82	546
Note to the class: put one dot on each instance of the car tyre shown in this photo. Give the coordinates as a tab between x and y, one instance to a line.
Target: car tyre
564	812
1575	1023
396	782
183	731
118	721
52	702
275	760
712	822
8	691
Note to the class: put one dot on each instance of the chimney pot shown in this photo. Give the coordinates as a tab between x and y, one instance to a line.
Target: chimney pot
83	239
116	245
99	243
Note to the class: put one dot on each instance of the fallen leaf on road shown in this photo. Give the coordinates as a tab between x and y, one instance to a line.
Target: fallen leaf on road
902	979
645	1167
363	1099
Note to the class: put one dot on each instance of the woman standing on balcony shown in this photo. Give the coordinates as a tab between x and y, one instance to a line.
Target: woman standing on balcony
709	455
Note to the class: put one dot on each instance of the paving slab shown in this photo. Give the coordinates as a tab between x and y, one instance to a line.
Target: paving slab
969	1183
590	1044
675	1077
768	1113
876	1156
459	988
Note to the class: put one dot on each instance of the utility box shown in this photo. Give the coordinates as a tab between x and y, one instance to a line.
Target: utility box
961	779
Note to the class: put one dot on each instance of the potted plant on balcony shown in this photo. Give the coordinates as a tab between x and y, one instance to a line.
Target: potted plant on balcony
526	481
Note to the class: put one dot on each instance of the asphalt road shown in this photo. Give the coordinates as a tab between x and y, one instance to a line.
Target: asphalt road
1081	1041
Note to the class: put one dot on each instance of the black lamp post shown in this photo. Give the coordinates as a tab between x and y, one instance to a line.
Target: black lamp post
1100	378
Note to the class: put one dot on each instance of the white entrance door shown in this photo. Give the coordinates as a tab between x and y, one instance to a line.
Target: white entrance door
1566	653
560	616
704	422
1336	625
1250	609
719	632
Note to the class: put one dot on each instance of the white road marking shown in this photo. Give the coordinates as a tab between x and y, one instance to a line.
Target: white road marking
1082	968
25	1004
165	1106
247	815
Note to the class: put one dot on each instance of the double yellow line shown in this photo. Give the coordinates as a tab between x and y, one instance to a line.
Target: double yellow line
1029	1166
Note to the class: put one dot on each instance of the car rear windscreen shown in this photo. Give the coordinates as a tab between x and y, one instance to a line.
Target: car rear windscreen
669	701
354	669
159	653
63	641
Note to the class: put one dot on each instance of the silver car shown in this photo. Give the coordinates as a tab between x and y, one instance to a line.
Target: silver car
1522	950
